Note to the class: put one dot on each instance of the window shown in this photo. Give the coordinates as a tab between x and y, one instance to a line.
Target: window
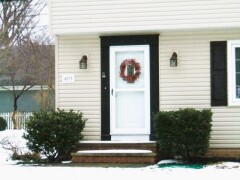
234	72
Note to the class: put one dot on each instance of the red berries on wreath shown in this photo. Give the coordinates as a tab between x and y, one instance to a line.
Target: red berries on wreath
130	70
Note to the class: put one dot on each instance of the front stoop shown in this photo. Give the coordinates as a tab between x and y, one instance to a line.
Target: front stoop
116	152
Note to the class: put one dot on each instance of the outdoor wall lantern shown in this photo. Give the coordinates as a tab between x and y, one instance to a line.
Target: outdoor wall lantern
173	60
83	62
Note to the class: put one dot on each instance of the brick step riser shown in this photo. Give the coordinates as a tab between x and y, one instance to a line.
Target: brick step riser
116	159
119	158
151	147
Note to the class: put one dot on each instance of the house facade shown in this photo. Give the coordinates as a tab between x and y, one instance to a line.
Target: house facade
129	44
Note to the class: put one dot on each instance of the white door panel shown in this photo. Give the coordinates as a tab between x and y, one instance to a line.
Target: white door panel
129	88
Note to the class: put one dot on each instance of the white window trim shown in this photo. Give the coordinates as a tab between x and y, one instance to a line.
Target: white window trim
232	100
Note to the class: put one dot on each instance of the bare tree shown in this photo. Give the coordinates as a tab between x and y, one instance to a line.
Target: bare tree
18	68
43	51
18	74
18	20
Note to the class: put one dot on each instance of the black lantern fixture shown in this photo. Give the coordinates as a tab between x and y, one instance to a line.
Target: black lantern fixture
83	62
173	60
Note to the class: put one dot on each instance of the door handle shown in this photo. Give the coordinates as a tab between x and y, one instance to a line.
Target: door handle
112	92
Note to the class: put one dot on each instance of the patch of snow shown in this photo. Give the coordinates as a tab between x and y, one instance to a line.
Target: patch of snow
170	161
116	151
66	162
11	140
224	165
117	142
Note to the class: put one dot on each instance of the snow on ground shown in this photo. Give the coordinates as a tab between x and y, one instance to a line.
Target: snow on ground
11	170
11	139
116	151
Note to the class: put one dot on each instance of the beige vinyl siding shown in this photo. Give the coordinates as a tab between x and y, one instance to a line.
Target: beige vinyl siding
188	84
95	16
83	95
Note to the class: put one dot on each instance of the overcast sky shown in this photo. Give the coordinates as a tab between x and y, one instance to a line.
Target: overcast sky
44	17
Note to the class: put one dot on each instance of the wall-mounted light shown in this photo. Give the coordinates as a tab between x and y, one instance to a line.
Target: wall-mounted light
83	62
173	60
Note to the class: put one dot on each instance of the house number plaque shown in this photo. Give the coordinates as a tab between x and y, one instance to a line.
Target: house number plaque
68	78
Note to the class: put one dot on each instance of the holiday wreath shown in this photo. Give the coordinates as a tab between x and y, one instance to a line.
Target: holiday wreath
131	74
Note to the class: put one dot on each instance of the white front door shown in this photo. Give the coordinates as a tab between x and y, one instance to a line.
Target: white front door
129	92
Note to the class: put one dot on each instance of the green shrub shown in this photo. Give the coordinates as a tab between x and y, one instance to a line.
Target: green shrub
3	124
184	133
54	134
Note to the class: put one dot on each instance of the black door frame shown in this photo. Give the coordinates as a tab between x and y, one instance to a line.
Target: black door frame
106	42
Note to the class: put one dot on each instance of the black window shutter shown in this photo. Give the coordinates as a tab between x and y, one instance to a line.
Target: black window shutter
218	51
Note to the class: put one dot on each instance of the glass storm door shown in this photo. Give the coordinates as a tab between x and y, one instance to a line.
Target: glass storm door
129	93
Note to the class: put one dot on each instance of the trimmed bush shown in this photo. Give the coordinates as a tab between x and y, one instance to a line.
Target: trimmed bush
3	124
184	133
54	134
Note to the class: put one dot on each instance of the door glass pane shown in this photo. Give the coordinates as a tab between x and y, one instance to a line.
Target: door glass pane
130	61
130	110
237	57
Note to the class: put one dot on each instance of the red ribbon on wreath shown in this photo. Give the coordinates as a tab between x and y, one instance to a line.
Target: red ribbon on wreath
133	70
